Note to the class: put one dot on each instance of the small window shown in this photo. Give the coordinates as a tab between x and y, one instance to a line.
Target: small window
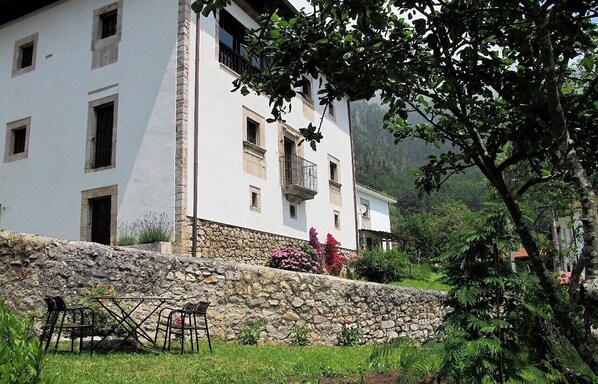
333	171
106	34
25	55
108	22
306	89
253	132
254	199
17	140
337	220
331	110
293	211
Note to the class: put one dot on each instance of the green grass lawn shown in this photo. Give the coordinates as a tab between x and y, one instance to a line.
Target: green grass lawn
230	363
431	283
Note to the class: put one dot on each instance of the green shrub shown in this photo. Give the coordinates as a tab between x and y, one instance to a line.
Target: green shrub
153	228
127	235
299	336
349	337
381	266
20	354
420	272
249	334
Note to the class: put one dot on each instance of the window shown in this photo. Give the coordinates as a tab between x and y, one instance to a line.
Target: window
108	22
25	55
103	141
306	88
17	140
334	180
334	169
106	36
337	220
231	49
101	153
252	132
254	199
254	154
331	110
292	211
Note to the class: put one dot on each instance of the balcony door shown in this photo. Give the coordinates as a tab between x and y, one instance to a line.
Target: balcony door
290	150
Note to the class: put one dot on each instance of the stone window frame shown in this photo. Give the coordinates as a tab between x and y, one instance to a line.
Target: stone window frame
334	179
255	199
337	219
258	149
91	194
10	139
99	45
91	132
17	69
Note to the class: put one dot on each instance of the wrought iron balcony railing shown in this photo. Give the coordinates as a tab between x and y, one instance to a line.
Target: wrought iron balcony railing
237	62
299	178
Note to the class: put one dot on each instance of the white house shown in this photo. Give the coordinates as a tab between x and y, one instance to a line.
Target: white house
114	109
374	219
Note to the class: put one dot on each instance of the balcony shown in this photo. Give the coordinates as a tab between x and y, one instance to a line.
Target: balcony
299	178
237	62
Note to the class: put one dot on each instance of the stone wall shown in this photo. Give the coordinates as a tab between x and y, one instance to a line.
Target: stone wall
32	267
242	245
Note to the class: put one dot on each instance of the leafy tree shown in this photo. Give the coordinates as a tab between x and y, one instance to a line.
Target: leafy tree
505	83
500	326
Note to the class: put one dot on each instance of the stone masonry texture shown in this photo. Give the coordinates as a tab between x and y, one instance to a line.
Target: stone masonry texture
32	267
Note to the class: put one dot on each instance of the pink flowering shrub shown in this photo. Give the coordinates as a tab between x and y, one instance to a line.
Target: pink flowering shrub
295	259
315	243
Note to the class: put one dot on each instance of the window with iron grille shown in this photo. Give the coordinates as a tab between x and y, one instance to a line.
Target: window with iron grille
103	140
101	134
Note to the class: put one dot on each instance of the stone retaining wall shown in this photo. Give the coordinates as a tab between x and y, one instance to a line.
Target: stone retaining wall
32	267
242	245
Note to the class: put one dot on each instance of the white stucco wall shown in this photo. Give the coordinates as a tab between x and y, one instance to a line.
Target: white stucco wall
224	186
42	194
379	211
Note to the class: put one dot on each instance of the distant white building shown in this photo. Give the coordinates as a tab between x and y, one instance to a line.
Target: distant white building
104	121
374	219
570	240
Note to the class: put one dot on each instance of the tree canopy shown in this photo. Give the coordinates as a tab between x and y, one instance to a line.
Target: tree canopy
506	84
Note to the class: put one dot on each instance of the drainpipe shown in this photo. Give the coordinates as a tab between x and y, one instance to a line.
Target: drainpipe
195	136
353	165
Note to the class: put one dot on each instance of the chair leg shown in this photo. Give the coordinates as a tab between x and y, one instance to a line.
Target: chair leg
52	325
59	332
205	317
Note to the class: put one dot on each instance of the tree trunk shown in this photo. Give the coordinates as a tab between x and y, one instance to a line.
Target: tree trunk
585	189
562	311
